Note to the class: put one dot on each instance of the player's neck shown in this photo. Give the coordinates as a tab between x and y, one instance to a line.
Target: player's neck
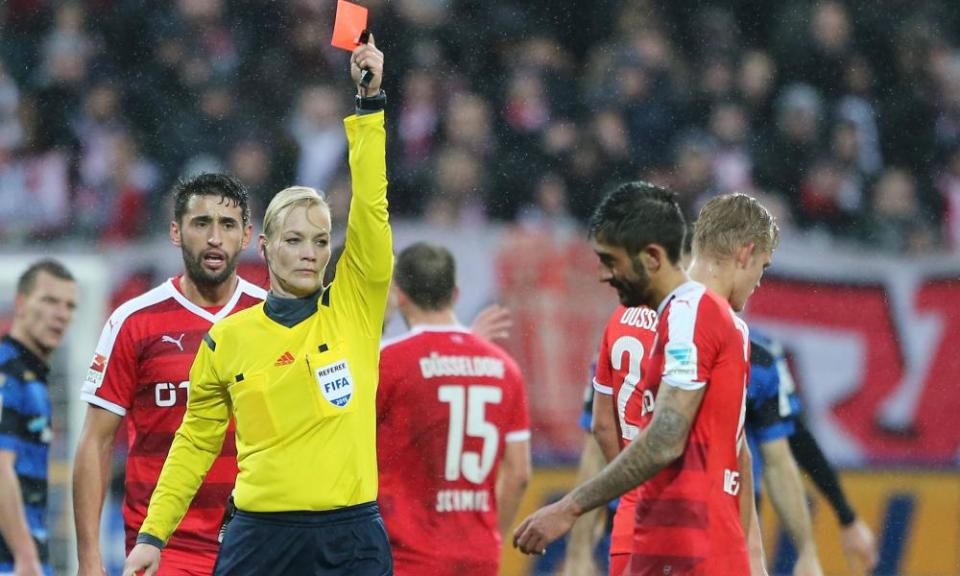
668	280
716	274
415	317
208	296
23	337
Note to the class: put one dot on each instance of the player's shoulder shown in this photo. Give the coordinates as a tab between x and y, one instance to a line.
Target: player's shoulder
8	352
241	318
140	306
11	363
250	289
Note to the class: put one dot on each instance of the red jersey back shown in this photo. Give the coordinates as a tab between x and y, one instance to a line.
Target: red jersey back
688	515
447	404
141	370
621	363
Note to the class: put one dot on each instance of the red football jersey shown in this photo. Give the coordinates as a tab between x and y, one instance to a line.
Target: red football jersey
688	515
447	404
141	370
621	364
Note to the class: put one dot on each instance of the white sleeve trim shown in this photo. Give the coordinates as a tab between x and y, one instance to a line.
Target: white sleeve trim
106	405
606	390
517	436
689	385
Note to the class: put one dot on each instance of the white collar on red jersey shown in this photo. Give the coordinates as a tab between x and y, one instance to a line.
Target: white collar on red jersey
243	287
687	287
420	328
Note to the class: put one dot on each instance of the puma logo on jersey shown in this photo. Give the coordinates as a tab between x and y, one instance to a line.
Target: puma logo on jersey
285	360
171	340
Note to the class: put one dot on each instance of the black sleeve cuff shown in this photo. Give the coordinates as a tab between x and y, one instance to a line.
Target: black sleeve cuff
144	538
371	104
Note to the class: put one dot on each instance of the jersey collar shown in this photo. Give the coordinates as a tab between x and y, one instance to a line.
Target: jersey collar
688	286
33	362
291	311
200	311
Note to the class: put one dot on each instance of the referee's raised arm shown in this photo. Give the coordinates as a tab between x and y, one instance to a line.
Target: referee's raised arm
367	262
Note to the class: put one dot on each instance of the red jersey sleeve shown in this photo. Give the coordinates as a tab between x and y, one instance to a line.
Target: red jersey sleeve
112	378
518	426
603	378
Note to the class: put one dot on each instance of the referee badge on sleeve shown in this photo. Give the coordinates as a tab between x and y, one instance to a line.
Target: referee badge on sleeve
336	383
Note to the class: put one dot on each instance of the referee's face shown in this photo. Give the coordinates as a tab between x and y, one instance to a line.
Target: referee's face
299	252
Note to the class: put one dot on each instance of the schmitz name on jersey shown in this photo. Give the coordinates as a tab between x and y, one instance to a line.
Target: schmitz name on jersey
463	501
435	365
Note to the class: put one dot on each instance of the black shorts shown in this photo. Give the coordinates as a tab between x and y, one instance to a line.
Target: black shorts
347	541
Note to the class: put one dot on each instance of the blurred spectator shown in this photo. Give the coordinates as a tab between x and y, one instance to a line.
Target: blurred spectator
317	128
694	180
948	184
894	222
783	157
457	191
732	163
11	131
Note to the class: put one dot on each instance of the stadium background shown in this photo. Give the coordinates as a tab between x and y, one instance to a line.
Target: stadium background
508	120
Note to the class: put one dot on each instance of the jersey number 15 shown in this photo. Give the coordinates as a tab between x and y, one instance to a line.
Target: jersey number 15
468	406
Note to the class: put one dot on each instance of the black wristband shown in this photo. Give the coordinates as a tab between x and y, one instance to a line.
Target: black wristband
368	104
144	538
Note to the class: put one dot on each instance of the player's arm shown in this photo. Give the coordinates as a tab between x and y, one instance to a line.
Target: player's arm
785	488
196	445
748	513
91	476
658	445
604	425
587	529
859	544
13	518
512	481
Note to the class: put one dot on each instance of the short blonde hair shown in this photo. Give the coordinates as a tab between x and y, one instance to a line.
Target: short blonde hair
286	199
730	221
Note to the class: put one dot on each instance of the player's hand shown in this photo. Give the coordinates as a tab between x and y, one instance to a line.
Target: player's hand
859	547
143	558
367	57
807	564
493	323
544	526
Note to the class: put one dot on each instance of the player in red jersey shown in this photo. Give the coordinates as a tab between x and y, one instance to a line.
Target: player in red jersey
140	372
686	458
621	364
453	431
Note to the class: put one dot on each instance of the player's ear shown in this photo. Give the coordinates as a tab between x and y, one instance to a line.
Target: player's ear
262	246
247	236
744	253
653	257
175	235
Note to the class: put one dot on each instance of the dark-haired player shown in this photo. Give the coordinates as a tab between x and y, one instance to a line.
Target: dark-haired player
140	372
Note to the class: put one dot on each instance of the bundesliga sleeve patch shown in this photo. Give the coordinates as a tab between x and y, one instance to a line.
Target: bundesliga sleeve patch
336	383
95	374
680	362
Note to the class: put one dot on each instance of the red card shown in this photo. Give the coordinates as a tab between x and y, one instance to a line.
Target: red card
351	21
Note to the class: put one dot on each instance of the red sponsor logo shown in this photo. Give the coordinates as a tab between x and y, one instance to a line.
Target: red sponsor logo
99	363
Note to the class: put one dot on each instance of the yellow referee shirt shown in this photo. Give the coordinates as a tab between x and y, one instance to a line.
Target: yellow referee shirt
302	391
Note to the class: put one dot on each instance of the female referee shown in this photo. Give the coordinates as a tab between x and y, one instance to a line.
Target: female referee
299	376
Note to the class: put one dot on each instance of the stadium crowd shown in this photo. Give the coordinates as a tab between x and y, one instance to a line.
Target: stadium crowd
843	118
